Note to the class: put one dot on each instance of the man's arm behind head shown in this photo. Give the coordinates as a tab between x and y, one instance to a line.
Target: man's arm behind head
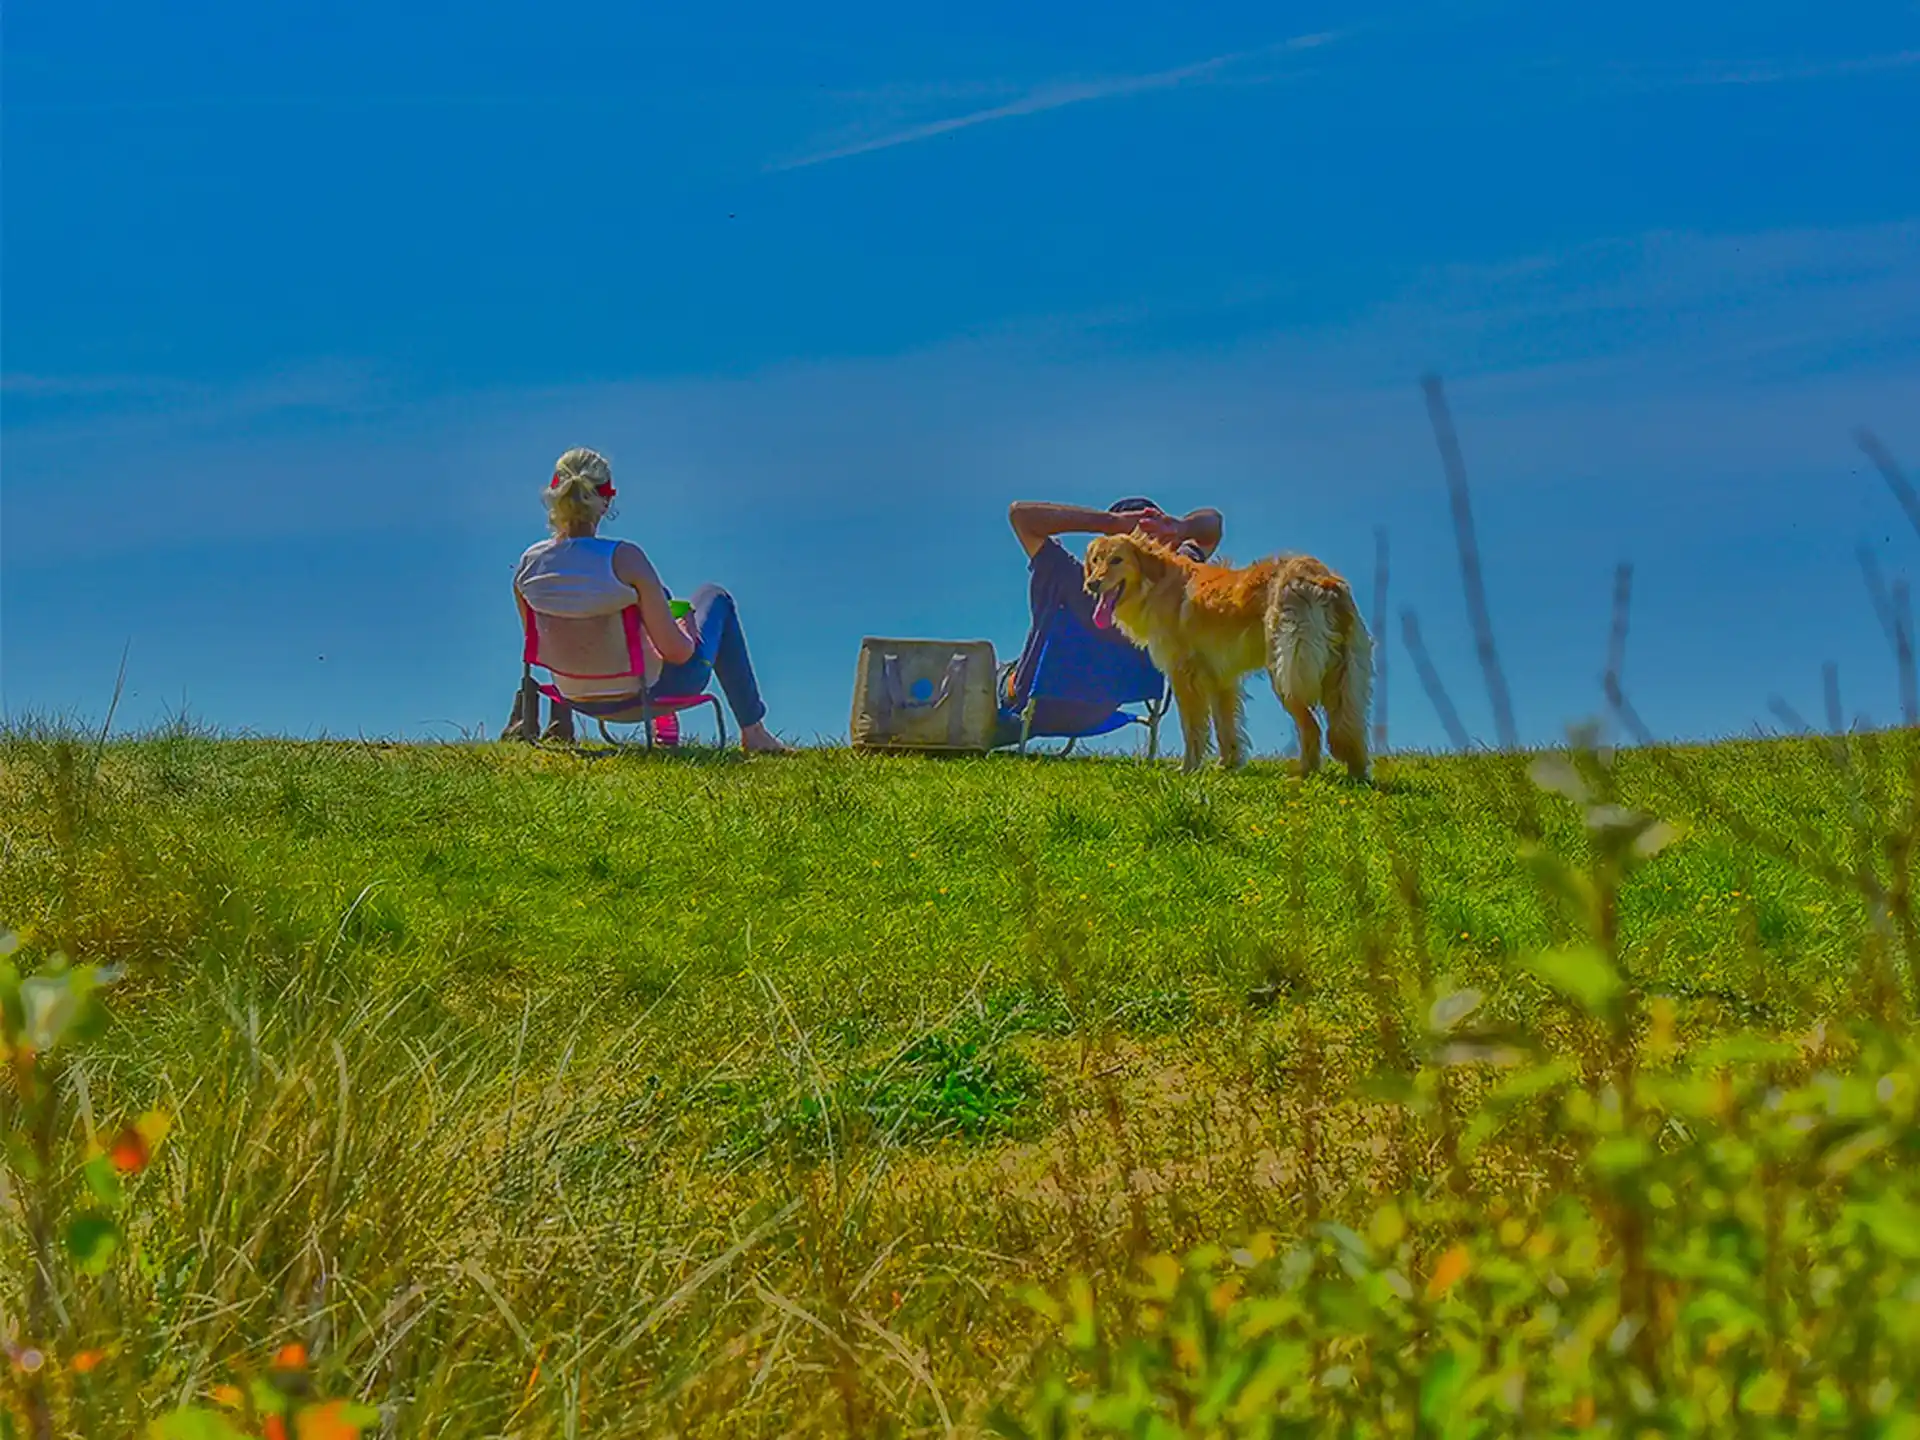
1203	528
1035	522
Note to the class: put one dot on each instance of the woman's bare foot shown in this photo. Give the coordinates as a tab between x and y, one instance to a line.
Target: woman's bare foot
756	739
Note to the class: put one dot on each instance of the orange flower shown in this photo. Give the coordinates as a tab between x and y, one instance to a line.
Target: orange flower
290	1357
1451	1270
273	1428
227	1395
534	1378
87	1361
132	1149
129	1153
326	1422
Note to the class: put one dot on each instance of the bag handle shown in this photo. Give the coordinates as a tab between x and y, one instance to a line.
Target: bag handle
952	683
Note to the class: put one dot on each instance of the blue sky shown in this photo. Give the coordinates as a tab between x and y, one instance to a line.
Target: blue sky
302	302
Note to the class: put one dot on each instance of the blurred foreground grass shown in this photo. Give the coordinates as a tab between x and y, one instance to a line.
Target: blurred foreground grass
534	1094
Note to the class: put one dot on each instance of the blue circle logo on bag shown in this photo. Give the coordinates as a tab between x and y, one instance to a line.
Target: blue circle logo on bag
923	690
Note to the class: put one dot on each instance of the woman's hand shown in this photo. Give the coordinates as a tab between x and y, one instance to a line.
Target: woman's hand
671	635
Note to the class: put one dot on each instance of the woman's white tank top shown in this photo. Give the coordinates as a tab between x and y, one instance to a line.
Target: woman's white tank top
571	578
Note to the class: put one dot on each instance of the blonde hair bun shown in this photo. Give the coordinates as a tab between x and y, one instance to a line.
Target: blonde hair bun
573	497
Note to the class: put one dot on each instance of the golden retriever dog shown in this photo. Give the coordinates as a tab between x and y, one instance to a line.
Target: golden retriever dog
1209	626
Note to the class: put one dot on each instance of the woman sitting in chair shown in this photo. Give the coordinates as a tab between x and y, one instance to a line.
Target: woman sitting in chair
578	574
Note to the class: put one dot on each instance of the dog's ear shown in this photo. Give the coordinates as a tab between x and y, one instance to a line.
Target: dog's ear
1153	565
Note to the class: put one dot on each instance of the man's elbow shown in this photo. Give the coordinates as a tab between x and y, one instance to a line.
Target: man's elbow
1024	517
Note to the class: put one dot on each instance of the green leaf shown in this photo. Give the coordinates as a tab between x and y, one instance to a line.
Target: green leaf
1387	1086
18	1154
51	1004
1894	1222
101	1180
1083	1331
1743	1050
339	1412
1613	825
1450	1009
91	1240
1574	890
1655	838
1039	1301
195	1422
1493	1048
1283	1363
1620	1155
1534	1080
1387	1228
1008	1426
267	1398
1226	1387
1850	1153
1763	1393
1441	1385
1558	774
1510	1095
1582	974
1346	1238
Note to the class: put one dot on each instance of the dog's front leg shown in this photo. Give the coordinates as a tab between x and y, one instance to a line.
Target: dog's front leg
1191	697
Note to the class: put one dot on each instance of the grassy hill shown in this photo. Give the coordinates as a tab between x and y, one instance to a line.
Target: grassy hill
534	1093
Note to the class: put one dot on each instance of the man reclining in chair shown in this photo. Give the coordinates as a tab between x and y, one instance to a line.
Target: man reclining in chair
1055	578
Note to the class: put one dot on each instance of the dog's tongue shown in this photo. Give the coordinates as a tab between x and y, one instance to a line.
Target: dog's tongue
1103	608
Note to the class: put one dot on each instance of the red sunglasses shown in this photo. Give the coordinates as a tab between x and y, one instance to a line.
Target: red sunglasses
605	492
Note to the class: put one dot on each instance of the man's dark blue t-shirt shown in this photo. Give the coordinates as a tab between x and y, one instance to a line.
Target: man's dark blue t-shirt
1054	579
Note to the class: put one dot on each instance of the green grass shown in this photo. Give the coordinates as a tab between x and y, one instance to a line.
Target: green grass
539	1094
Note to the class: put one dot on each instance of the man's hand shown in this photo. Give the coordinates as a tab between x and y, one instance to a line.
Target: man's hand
1157	525
1036	523
1198	527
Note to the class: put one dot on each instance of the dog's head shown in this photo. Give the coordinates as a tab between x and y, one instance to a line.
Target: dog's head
1119	566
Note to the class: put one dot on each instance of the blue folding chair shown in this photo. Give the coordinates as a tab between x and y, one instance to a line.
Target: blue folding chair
1086	667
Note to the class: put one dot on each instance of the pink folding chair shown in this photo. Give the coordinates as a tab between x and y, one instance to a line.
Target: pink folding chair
602	647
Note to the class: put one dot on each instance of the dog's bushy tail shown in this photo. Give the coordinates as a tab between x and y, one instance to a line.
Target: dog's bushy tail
1349	695
1321	654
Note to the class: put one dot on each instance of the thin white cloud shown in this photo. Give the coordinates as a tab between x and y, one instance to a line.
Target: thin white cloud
333	386
27	386
1059	95
1775	72
185	104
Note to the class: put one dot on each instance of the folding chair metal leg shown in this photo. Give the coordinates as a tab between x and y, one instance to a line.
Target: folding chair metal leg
1072	740
560	724
646	715
1154	713
1026	724
527	724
